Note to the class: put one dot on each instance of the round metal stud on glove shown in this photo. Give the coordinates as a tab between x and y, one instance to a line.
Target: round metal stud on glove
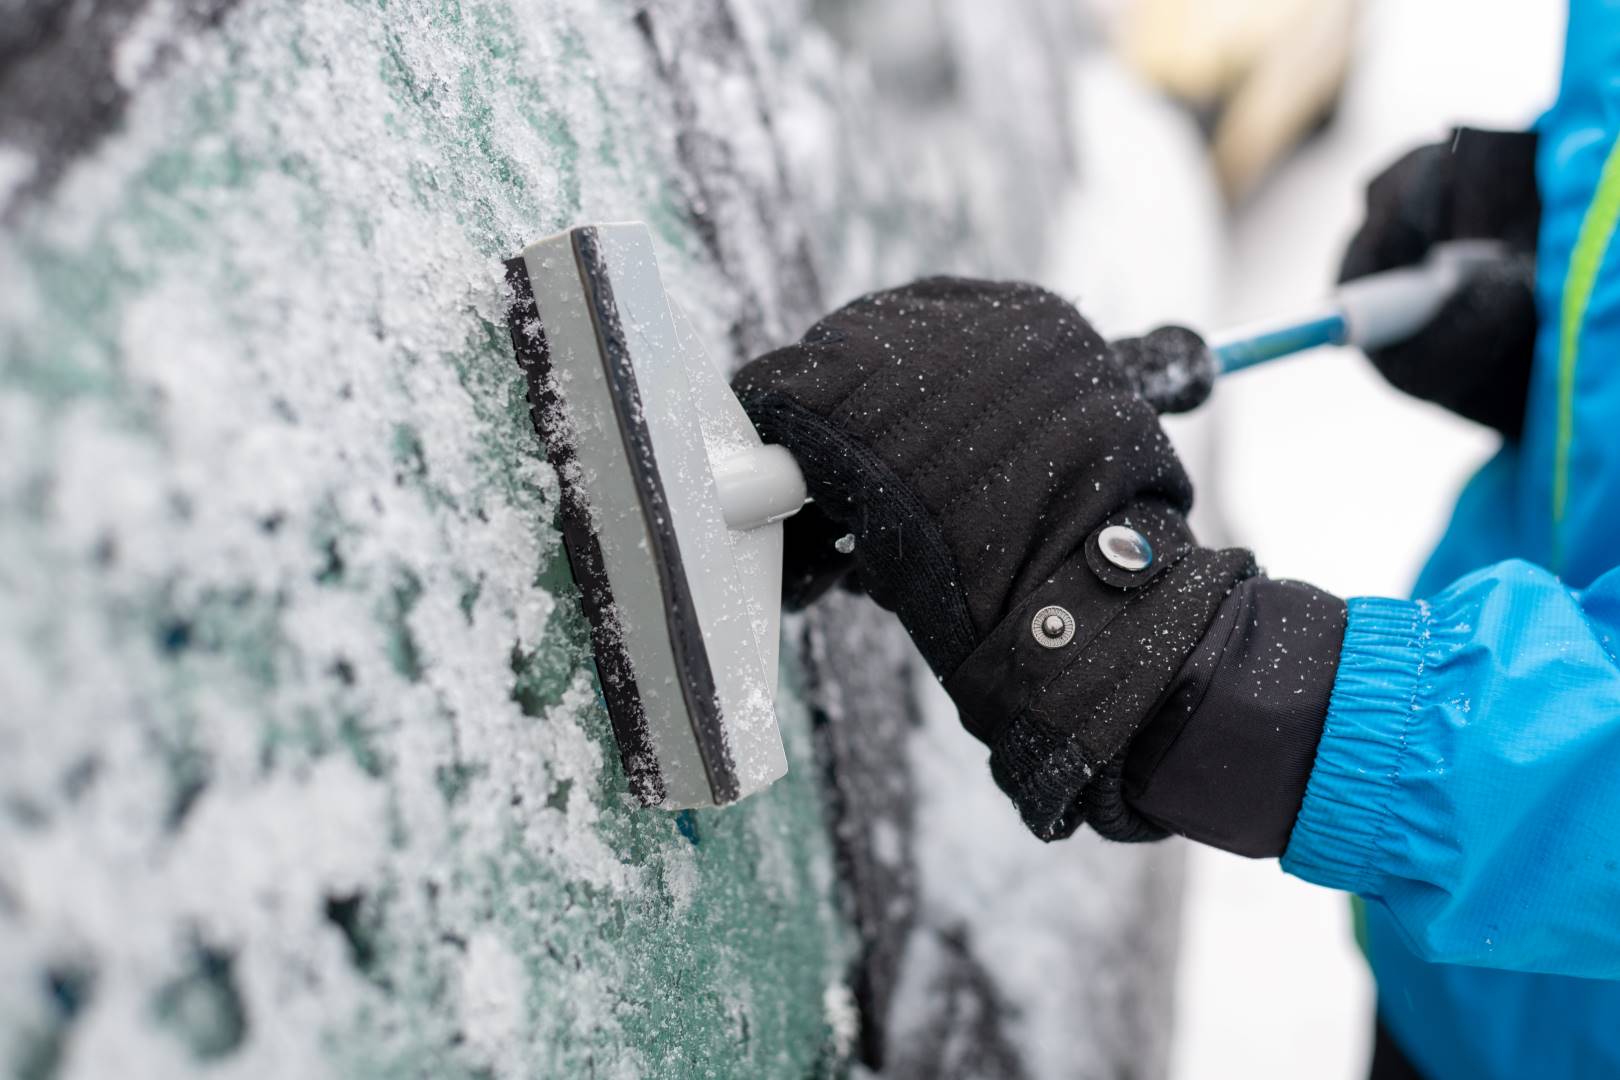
1053	627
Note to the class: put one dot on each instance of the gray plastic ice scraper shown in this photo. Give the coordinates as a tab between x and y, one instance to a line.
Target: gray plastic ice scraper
671	515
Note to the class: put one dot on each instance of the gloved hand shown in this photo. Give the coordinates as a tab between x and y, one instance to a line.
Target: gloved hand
1171	368
1014	500
1474	357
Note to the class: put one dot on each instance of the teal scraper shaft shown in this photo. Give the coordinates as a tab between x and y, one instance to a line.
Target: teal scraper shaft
1251	345
1369	312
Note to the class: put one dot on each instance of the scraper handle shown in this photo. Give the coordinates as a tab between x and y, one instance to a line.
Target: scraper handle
1369	312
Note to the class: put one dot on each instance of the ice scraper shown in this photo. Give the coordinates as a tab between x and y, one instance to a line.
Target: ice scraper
672	506
671	515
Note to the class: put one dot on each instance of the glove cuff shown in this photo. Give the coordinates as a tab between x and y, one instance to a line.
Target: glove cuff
1058	712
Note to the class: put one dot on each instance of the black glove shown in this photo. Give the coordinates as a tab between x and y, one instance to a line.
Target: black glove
1171	368
976	439
1474	357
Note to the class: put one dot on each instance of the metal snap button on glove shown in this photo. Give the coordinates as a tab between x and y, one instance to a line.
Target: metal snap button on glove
1125	548
1053	626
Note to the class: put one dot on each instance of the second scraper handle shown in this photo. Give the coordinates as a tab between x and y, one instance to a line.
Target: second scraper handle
1369	312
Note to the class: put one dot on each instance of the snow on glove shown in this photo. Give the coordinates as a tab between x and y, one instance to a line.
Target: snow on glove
977	439
1171	368
1474	356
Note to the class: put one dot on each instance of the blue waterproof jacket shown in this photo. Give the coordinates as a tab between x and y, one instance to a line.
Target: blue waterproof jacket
1467	785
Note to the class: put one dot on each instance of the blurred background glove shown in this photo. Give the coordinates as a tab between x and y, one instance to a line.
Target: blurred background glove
1474	357
975	439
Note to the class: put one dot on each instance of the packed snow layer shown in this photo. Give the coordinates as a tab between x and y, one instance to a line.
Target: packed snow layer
302	767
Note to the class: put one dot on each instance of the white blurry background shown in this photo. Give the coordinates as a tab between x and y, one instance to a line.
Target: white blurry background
1316	464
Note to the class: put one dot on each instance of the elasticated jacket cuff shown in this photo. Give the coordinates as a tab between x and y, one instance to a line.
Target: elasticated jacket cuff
1338	837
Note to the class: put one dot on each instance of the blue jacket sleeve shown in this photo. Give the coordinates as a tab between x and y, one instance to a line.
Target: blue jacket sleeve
1468	777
